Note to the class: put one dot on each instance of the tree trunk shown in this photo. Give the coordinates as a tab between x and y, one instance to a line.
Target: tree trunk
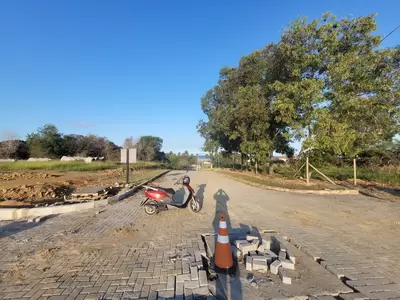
270	165
256	169
241	161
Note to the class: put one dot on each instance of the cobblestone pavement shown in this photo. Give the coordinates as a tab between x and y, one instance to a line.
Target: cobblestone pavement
122	253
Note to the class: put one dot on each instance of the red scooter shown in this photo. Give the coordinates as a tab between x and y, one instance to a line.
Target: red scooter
165	198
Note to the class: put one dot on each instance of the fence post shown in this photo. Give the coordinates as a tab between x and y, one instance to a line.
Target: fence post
307	172
127	166
355	170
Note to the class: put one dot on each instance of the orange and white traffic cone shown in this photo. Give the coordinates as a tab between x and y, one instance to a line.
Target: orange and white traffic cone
223	254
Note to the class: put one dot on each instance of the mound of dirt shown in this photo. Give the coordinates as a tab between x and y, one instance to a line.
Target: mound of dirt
7	176
37	192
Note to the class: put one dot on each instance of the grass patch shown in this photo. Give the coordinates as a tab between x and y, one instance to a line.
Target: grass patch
73	166
389	175
278	181
76	166
138	178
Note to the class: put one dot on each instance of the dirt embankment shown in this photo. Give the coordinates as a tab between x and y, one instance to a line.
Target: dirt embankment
33	188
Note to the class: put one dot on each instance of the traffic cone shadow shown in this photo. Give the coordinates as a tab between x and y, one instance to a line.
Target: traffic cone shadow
227	284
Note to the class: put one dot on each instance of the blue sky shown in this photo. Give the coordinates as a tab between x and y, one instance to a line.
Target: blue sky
130	68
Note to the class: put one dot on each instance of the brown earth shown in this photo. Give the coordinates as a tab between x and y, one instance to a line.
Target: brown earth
33	188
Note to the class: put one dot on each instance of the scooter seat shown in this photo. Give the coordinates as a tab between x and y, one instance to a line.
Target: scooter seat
170	191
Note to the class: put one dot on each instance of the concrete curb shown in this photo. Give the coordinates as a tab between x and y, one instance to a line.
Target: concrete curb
7	214
314	192
130	192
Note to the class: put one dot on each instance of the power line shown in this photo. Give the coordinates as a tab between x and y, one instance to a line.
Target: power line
390	33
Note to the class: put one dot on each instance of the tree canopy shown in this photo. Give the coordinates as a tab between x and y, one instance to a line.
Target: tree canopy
326	82
48	142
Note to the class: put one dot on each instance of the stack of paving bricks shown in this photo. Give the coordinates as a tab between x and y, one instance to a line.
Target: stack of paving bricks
260	257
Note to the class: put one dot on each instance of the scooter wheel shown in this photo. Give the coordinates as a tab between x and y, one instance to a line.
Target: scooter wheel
194	205
150	209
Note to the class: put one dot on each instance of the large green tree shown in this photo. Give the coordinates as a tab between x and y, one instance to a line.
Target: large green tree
326	83
46	142
149	148
343	95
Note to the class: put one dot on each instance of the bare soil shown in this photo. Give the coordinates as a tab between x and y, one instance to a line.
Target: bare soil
20	189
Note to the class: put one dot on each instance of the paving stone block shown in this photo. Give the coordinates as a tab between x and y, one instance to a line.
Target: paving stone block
52	285
260	265
252	253
251	237
326	297
120	282
287	264
194	273
235	251
179	289
191	284
74	293
239	242
183	277
366	282
58	297
144	275
386	295
271	253
333	270
201	291
170	283
249	263
163	295
91	297
159	287
13	295
247	247
203	278
37	295
150	281
275	266
153	295
285	276
188	294
174	272
353	296
90	290
292	258
138	285
282	255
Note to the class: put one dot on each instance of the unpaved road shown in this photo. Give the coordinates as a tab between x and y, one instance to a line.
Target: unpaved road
90	254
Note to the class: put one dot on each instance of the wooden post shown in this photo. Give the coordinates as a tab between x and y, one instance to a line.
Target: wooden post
307	172
127	166
355	171
319	172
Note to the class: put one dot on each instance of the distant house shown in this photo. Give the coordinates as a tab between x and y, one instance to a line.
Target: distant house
204	162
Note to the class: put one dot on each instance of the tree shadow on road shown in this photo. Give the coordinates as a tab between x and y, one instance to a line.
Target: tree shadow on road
227	286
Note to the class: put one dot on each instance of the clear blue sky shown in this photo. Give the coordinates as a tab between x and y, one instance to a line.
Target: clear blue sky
122	68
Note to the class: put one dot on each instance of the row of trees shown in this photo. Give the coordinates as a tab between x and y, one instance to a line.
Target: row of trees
149	149
48	142
327	83
180	160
